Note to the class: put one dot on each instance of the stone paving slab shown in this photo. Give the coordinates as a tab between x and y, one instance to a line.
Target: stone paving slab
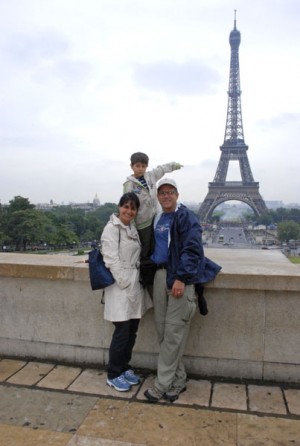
263	399
149	381
293	400
62	412
34	416
24	436
229	396
198	392
78	440
124	423
31	374
253	430
61	377
266	399
94	382
157	424
8	367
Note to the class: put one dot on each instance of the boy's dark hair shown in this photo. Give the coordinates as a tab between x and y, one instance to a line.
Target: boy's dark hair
131	198
139	157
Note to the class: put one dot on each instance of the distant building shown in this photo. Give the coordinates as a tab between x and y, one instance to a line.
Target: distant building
46	206
274	204
293	205
87	207
96	201
279	204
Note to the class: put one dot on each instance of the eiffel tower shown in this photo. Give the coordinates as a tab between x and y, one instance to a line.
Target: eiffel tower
233	149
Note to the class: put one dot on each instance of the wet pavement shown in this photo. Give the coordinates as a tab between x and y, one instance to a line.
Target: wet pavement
52	404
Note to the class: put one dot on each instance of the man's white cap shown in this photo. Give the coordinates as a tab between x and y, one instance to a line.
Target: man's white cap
167	181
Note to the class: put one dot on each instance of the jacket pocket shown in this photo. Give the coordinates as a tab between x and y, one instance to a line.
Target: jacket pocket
124	279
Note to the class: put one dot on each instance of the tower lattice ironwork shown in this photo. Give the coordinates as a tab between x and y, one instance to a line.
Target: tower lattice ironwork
233	149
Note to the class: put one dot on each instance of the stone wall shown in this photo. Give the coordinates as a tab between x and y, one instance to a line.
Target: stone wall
48	312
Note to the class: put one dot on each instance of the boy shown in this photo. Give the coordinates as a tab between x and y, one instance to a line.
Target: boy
143	184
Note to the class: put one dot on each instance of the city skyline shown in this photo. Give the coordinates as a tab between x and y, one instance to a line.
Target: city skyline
96	202
86	84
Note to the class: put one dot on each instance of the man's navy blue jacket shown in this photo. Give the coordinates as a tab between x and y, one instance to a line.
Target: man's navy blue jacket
186	259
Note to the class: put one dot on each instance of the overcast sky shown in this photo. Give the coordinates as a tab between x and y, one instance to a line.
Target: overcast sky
85	83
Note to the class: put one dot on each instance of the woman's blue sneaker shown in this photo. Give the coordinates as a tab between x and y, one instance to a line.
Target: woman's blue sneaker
131	378
119	383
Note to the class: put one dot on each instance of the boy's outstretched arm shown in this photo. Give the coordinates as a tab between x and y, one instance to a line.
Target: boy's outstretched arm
160	171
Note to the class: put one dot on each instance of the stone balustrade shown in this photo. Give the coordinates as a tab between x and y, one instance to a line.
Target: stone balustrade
48	312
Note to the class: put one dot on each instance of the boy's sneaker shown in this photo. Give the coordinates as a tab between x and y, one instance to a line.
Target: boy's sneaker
131	377
119	383
153	394
173	394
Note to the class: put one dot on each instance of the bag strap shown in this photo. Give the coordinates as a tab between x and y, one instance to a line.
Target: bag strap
103	293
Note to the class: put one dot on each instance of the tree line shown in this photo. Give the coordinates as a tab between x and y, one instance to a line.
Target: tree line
22	226
287	221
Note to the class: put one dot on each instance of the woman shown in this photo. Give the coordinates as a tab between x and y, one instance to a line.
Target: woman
124	300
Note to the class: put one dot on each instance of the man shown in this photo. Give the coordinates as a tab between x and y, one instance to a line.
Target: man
180	261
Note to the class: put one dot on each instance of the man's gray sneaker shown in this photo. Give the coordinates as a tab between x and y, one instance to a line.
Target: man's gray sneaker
153	394
173	394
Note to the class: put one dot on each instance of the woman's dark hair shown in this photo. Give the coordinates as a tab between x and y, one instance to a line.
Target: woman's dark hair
130	197
139	157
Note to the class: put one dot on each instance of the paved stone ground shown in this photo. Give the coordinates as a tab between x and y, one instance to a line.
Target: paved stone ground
50	404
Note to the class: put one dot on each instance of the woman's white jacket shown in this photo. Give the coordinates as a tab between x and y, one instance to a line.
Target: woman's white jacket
120	246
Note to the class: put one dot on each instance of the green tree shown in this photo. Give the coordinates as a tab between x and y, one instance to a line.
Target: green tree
74	219
97	220
19	204
216	216
62	236
88	236
281	214
21	224
3	218
288	230
265	219
247	216
26	227
294	215
2	239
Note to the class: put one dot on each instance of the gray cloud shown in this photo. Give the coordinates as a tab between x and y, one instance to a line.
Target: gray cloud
74	71
46	54
185	79
30	49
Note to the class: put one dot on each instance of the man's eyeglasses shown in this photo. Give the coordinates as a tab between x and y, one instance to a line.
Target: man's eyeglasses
164	193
